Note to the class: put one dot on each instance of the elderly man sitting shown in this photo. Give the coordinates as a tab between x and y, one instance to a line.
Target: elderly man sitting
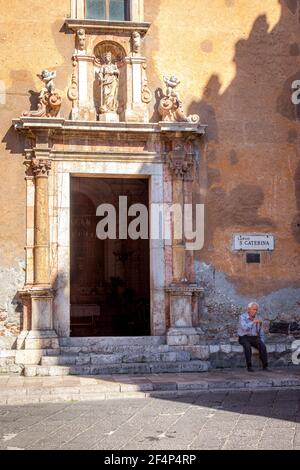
251	334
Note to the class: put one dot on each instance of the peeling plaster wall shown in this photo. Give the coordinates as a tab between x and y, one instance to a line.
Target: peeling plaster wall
11	279
236	60
222	305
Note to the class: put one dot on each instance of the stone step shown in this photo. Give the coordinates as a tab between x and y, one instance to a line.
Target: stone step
104	342
21	391
114	349
109	369
115	358
8	366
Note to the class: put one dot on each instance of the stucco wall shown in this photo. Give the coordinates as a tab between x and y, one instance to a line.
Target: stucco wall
236	60
30	40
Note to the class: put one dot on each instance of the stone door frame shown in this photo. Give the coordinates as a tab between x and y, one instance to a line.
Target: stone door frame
60	234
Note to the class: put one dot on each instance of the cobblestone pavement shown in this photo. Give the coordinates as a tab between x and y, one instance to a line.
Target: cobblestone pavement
207	420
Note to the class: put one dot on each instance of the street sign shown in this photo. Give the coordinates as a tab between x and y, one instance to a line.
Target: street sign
253	242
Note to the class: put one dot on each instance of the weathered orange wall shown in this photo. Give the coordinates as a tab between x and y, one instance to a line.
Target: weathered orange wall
30	40
236	60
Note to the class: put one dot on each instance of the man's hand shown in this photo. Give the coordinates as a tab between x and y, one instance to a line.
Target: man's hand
257	322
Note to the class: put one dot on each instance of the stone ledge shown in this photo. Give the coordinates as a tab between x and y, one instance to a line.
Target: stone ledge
22	390
228	348
100	26
7	353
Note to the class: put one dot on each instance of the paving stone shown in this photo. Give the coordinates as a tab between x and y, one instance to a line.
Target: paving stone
102	359
227	348
194	366
193	386
59	360
131	387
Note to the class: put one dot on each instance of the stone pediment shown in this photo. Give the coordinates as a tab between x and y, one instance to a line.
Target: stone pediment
93	140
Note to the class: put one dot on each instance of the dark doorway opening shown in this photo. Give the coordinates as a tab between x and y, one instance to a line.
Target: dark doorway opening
110	279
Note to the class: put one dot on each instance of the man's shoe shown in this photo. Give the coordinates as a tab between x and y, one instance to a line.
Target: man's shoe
250	369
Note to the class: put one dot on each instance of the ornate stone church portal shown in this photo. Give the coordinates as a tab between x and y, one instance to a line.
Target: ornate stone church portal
76	284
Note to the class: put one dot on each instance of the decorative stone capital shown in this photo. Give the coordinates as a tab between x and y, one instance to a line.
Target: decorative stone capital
41	168
45	292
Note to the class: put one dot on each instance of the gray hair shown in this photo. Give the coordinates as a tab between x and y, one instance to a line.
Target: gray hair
253	304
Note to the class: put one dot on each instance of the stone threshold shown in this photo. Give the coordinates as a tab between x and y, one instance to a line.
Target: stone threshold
23	390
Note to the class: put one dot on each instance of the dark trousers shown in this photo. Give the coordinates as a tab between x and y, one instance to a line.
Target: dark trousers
254	341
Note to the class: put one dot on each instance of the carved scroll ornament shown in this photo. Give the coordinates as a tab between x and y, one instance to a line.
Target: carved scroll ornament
170	106
73	89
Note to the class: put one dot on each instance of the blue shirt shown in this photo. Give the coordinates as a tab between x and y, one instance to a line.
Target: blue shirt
246	327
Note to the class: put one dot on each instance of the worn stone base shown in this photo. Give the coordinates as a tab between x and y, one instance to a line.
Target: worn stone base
182	350
34	356
184	336
33	345
41	339
8	364
137	114
109	117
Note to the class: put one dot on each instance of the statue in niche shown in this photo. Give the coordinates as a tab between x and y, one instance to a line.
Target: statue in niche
136	42
49	101
109	82
170	106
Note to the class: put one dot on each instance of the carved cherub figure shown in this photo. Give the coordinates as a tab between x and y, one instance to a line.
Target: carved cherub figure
49	101
48	79
172	82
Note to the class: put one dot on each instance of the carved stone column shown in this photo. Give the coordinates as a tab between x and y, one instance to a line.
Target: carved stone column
138	92
183	291
38	298
41	170
85	72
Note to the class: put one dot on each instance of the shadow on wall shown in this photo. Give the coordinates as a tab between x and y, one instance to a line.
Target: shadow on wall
23	94
16	101
255	110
